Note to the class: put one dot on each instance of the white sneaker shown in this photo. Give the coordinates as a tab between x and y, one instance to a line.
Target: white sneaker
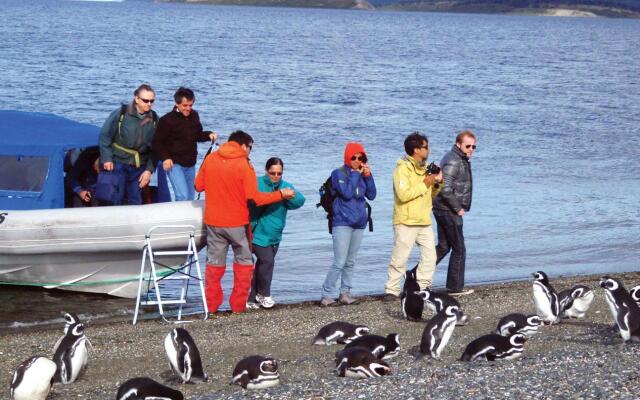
252	306
265	301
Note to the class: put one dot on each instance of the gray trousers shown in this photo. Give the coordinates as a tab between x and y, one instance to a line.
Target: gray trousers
218	242
263	272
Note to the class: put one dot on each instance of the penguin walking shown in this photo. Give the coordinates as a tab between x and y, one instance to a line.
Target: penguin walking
624	309
518	323
146	389
184	356
72	356
256	372
32	379
575	302
359	362
545	299
412	304
495	347
438	331
381	347
70	319
339	332
438	302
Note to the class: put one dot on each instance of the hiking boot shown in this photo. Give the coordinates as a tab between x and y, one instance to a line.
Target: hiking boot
459	292
388	298
265	301
326	302
252	306
346	299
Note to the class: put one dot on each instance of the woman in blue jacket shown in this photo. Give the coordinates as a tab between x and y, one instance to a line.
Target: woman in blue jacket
352	183
267	223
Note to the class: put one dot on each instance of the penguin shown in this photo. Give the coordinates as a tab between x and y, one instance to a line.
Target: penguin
545	299
438	331
359	362
381	347
71	356
256	372
70	319
635	294
146	389
184	356
339	332
438	302
32	379
495	347
624	309
575	302
518	323
412	304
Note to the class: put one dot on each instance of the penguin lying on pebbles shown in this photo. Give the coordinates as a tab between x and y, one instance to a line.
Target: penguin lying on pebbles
70	319
624	309
495	347
32	379
359	362
256	372
438	331
545	299
184	356
339	332
71	356
381	347
146	389
412	305
575	302
518	323
438	302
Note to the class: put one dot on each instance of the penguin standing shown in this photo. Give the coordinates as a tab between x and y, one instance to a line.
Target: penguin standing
635	294
518	323
545	299
575	302
71	356
339	332
32	379
438	331
359	362
624	309
381	347
412	304
438	302
184	356
256	372
70	319
495	347
146	389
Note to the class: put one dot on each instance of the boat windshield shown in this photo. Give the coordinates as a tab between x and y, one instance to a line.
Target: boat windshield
23	173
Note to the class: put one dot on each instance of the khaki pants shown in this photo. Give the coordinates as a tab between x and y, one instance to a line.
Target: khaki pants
404	237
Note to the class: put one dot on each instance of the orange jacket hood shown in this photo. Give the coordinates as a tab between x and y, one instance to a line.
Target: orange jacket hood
230	150
351	149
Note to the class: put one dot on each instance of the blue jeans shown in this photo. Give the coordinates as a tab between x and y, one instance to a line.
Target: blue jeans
181	179
128	184
346	242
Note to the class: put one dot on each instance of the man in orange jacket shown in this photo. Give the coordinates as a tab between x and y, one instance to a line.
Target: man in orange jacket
230	186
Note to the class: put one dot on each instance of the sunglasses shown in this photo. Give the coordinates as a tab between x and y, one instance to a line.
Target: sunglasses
274	173
470	146
359	158
147	101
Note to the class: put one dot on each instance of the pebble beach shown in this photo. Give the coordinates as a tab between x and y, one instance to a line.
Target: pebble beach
577	359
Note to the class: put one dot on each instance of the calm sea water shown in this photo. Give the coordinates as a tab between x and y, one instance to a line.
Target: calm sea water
554	101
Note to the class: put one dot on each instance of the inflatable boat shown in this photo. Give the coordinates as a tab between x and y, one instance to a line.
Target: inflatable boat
86	249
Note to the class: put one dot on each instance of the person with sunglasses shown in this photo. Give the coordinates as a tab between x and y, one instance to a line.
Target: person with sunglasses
413	190
267	224
352	183
125	145
450	207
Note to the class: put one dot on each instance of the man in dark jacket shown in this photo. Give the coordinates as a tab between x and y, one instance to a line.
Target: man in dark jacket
450	206
175	143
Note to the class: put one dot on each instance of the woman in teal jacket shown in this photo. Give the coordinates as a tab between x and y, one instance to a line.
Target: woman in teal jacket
267	223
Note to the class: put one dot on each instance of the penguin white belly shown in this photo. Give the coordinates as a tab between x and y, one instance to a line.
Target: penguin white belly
172	354
581	305
36	381
79	360
448	331
357	372
264	382
543	303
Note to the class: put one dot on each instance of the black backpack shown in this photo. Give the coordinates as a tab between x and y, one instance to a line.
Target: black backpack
327	195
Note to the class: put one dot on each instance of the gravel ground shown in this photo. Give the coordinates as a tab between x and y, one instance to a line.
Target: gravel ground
578	359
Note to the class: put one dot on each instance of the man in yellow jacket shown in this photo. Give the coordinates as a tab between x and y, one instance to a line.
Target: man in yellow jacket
413	190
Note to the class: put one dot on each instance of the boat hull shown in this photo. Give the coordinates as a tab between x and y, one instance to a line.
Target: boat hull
97	250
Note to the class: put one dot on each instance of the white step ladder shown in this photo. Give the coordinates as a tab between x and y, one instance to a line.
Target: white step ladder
180	272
